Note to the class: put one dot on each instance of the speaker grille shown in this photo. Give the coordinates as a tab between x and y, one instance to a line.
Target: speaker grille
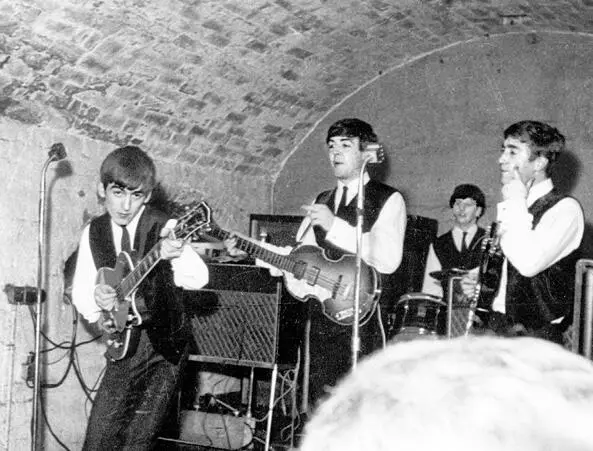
245	317
241	327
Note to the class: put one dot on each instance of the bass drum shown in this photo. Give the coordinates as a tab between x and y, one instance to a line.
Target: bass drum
419	316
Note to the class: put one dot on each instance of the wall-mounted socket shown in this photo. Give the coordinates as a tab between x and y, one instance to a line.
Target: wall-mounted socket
22	295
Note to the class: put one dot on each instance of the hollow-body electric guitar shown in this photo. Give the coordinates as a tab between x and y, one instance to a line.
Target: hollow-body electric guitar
125	278
489	275
308	273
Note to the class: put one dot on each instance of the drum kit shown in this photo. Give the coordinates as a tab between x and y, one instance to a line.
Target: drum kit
429	317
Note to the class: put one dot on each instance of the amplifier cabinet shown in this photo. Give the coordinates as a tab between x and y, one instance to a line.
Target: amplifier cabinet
245	317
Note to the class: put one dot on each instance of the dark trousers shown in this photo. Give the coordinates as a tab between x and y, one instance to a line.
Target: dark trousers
133	400
330	351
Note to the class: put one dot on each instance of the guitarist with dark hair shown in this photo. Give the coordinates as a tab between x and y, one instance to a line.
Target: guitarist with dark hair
540	232
142	374
331	225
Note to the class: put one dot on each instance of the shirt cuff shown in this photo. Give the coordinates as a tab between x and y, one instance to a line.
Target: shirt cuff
339	233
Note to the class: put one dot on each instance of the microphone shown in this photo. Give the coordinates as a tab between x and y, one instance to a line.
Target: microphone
57	152
374	153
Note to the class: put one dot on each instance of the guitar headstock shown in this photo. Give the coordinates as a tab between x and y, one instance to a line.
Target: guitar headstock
193	218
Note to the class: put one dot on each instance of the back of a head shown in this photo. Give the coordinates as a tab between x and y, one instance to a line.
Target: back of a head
471	394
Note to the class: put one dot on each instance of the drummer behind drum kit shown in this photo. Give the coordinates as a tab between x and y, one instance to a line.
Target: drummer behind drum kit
425	316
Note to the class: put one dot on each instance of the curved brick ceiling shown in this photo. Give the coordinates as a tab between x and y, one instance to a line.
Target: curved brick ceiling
227	84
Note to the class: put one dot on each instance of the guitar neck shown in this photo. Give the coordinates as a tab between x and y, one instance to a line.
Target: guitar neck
140	271
282	262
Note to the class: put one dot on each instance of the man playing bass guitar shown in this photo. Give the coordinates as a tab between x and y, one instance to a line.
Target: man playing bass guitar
540	235
330	224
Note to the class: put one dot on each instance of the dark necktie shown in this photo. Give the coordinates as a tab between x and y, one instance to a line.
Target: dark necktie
342	205
463	243
125	240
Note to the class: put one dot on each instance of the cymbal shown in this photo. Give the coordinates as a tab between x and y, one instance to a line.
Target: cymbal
445	274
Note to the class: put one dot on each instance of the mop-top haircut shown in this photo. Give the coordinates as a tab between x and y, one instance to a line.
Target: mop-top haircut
129	167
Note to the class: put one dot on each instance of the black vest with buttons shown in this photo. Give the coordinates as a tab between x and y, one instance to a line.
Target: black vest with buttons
450	257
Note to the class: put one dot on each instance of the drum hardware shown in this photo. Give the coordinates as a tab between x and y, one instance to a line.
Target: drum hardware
418	315
459	313
446	274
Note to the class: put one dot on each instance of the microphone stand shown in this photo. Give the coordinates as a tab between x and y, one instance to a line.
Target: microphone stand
359	219
56	153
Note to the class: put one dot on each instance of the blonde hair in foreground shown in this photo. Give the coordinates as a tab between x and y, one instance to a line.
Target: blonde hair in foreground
478	394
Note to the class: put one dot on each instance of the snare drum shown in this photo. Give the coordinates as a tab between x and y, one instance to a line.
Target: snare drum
419	315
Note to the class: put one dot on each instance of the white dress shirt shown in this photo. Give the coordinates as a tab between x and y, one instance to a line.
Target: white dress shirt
531	251
382	245
189	270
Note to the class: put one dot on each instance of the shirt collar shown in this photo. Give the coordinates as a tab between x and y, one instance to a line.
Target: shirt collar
353	185
470	232
539	190
132	226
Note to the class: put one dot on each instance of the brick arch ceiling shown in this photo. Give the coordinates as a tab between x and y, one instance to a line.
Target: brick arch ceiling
231	85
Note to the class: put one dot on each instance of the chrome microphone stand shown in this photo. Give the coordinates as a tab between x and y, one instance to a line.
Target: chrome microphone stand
371	157
56	153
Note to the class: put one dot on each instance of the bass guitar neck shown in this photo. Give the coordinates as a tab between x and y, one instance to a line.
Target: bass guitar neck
308	273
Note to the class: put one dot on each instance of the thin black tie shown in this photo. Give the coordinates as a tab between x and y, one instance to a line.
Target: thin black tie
125	240
463	243
342	205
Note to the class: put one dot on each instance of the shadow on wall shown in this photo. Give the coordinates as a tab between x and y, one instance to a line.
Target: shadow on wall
567	173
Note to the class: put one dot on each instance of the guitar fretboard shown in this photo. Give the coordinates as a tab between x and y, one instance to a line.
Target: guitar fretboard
299	268
140	271
282	262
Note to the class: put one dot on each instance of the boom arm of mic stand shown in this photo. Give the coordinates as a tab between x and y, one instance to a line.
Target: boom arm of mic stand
359	219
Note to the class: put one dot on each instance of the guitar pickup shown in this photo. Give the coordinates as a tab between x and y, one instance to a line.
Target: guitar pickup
313	275
299	269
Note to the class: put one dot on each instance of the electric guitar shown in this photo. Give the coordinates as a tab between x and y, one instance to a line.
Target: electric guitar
489	275
125	278
308	273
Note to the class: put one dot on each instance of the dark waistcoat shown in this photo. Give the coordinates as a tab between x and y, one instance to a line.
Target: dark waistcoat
375	196
450	257
536	301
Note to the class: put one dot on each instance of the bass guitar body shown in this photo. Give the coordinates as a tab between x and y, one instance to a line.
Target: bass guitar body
332	283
